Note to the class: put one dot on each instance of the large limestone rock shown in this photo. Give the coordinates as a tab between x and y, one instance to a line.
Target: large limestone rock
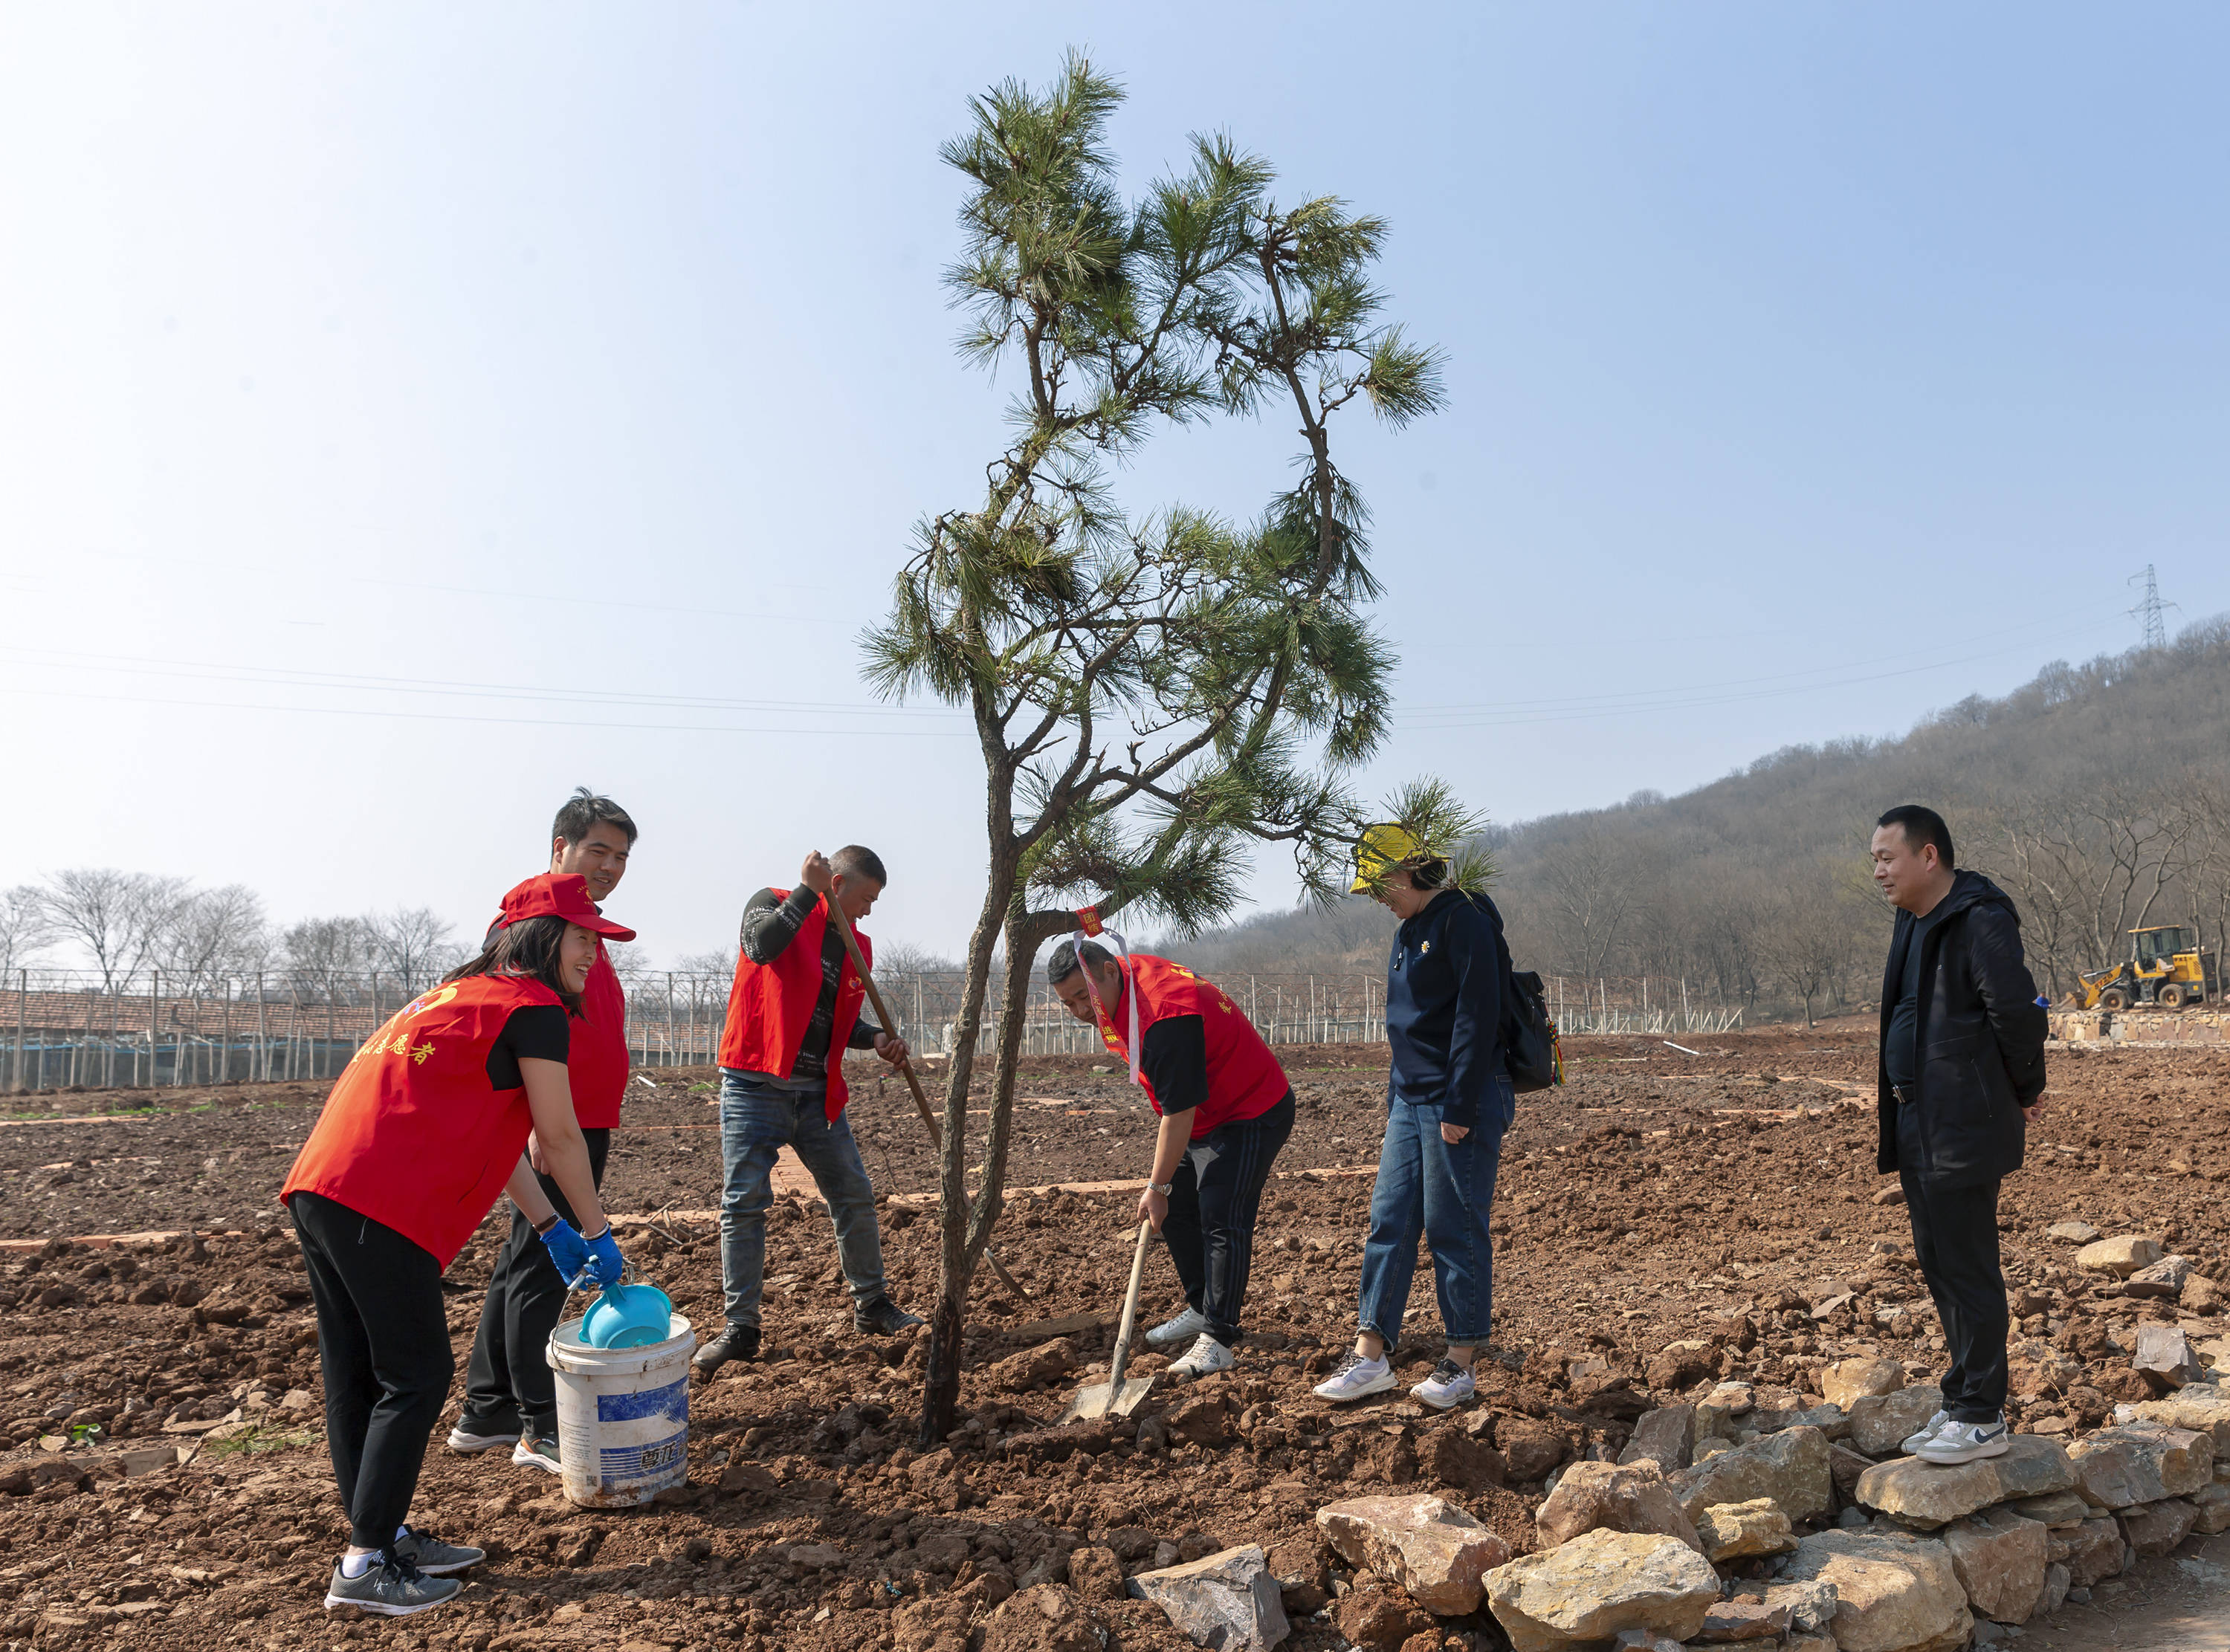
2203	1407
2121	1255
1879	1422
1925	1495
1811	1606
2213	1503
1602	1582
2095	1550
1790	1468
2141	1462
2158	1528
2059	1508
2000	1560
2164	1358
1661	1436
1851	1379
2032	1466
1893	1593
2163	1279
1434	1550
1735	1530
1617	1497
1227	1602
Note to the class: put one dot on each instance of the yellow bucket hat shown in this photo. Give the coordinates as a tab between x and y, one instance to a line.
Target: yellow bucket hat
1382	848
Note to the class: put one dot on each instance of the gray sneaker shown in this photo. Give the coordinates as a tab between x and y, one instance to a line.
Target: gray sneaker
390	1586
433	1557
1927	1431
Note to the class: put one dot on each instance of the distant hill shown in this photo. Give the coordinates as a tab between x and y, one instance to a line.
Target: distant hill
2097	795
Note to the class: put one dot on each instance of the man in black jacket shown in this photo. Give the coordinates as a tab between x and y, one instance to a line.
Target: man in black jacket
1960	1074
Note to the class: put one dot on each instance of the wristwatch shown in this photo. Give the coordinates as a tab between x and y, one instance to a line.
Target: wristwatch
1164	1188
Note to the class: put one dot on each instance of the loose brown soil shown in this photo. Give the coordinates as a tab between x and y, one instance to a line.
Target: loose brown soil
1719	1199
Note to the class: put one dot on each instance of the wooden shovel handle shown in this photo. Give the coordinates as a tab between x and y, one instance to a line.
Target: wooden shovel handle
1122	1358
913	1083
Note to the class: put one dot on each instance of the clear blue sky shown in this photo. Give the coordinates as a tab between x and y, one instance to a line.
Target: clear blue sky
357	359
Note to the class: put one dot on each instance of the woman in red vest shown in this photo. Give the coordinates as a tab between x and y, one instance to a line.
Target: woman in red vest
427	1125
1226	1108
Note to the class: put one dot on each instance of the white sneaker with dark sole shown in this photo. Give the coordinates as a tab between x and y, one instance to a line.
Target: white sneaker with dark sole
1356	1377
530	1453
467	1439
1205	1357
1449	1386
1182	1329
1924	1433
390	1586
1968	1442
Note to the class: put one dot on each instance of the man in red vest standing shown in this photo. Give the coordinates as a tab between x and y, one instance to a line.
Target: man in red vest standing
793	1011
511	1397
1226	1108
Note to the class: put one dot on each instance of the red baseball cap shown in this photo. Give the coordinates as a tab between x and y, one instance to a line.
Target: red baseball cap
559	895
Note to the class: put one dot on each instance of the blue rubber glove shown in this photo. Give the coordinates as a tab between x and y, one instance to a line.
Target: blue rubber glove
604	1261
568	1250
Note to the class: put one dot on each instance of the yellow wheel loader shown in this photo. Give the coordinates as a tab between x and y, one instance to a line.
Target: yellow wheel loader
2162	969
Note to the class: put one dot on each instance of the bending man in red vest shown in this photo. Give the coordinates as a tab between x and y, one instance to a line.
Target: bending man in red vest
510	1392
793	1011
1226	1108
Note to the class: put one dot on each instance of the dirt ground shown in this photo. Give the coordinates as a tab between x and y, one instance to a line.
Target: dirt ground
1666	1219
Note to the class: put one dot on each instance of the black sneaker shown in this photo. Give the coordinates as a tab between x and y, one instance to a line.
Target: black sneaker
882	1317
431	1556
737	1342
390	1586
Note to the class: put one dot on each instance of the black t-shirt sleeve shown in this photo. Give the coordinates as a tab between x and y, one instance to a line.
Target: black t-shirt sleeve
534	1032
1174	1057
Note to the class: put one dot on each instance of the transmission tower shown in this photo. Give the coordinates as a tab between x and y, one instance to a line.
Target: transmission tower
2148	612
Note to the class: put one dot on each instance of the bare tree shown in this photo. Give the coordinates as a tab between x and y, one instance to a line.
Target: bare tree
208	934
412	942
1592	893
25	928
113	915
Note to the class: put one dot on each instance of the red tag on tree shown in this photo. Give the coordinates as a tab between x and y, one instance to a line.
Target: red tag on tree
1088	919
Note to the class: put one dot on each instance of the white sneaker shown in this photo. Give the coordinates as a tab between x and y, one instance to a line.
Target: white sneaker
1926	1433
1356	1377
1449	1384
1182	1329
1965	1442
1205	1356
471	1439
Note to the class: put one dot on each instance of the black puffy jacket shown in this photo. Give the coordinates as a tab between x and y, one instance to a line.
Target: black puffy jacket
1979	1039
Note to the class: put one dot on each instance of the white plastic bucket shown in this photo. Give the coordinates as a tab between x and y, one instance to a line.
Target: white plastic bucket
622	1416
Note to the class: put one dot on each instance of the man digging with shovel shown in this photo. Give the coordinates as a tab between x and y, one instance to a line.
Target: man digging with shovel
793	1011
1226	1108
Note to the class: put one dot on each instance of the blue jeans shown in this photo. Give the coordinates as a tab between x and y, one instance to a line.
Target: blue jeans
1440	1191
756	1120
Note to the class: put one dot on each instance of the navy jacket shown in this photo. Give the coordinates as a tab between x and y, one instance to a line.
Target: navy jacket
1444	986
1980	1041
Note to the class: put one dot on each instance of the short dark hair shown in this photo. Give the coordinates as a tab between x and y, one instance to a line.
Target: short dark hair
856	860
1920	825
1427	872
585	811
530	946
1062	964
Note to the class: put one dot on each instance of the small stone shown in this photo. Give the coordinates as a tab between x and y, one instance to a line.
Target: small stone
1530	1449
1034	1367
2156	1529
2121	1256
2073	1233
1430	1547
1849	1379
1893	1593
2164	1358
2059	1508
1227	1602
1847	1467
1790	1468
1644	1640
1679	1365
1811	1605
2165	1278
1735	1621
1599	1583
1924	1495
1661	1436
1891	1194
2001	1558
1618	1497
2141	1462
1879	1422
2213	1503
1735	1530
296	1399
2201	1297
2055	1590
2095	1551
1095	1572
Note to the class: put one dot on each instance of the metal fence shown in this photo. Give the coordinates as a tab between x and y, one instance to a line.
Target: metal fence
64	1029
1650	1004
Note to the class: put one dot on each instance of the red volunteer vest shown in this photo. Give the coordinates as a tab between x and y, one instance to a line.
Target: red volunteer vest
1244	1079
770	1004
598	1063
412	1136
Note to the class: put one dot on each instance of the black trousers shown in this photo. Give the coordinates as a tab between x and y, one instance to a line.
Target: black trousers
1955	1239
508	1383
1214	1196
384	1349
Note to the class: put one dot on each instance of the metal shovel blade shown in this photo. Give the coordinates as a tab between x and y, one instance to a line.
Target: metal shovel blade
1102	1399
